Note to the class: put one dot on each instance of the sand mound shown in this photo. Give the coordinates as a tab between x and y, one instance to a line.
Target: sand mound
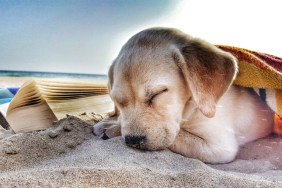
68	155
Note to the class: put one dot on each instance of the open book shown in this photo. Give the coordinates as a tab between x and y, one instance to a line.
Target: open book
39	103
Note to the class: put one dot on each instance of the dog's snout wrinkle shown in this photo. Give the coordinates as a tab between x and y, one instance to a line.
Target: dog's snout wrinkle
135	141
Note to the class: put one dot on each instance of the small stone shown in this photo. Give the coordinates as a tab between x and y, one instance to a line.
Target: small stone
62	151
79	142
67	128
64	172
84	113
45	146
12	151
71	145
53	134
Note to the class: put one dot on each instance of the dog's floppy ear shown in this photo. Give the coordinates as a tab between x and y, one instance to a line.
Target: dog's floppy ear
208	71
110	84
110	77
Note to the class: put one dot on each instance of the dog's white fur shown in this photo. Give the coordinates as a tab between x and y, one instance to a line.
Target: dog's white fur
175	91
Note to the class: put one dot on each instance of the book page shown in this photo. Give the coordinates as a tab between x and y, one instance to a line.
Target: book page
30	118
26	94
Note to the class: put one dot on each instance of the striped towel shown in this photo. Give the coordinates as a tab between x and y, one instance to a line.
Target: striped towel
263	72
7	94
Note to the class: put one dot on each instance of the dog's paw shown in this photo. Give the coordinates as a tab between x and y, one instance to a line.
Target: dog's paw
107	129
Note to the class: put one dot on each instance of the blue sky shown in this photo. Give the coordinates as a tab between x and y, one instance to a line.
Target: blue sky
67	36
85	36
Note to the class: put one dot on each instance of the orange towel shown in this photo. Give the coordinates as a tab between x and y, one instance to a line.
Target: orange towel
259	70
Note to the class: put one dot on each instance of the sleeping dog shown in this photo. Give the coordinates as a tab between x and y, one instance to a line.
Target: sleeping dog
174	91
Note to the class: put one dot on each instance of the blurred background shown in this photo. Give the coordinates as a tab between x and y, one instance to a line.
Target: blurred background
84	36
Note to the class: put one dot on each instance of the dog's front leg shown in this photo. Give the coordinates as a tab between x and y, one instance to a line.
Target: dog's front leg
216	149
108	127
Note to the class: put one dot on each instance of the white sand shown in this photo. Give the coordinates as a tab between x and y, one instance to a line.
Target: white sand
68	155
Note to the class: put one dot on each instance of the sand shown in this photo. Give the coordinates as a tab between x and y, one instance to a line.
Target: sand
69	155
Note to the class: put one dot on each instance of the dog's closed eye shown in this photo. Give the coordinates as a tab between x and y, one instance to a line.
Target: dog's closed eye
151	95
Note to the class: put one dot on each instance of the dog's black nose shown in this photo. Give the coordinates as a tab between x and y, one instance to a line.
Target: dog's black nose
135	141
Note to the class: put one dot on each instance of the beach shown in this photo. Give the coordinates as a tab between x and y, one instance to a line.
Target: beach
69	155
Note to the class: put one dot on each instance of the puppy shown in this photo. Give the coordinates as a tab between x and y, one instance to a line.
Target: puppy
174	91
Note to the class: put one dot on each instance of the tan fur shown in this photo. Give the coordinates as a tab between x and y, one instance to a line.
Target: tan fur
174	92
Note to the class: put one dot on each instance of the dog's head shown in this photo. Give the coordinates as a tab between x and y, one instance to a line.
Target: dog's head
159	76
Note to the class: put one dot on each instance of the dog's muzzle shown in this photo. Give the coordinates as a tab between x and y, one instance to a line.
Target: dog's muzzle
136	141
